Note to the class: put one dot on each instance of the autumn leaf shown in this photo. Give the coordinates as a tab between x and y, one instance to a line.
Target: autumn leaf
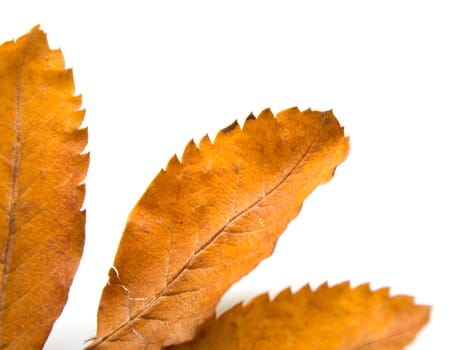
41	170
330	318
205	222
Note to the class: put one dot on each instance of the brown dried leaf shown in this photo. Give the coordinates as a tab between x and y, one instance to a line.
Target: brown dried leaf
41	223
206	222
336	318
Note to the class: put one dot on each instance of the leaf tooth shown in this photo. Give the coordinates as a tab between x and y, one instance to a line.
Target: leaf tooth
239	306
285	293
323	286
384	291
205	142
190	152
230	128
250	120
343	285
250	117
364	287
173	163
80	138
76	118
81	164
266	114
259	299
81	191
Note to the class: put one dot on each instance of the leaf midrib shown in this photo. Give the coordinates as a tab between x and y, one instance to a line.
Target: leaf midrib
403	333
15	174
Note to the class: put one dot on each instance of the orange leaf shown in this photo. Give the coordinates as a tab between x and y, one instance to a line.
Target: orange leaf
206	222
41	223
335	318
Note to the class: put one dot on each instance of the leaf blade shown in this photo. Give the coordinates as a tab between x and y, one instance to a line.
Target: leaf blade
41	169
204	223
330	318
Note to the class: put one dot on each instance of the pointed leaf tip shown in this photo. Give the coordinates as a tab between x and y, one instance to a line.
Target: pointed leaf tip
206	222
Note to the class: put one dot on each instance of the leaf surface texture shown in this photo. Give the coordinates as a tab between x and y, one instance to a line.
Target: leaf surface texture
205	222
41	171
336	318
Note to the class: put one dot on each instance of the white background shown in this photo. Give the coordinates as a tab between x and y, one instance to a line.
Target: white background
399	76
